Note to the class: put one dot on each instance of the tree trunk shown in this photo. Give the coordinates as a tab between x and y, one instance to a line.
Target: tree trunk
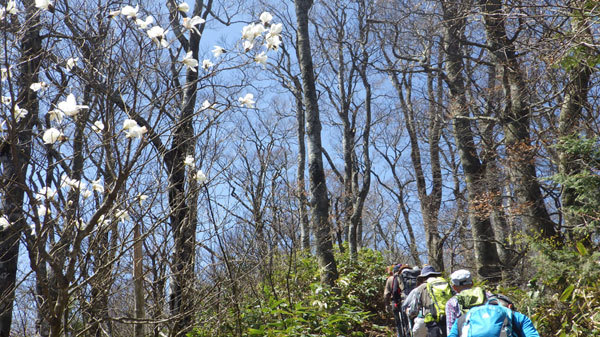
302	202
318	188
515	123
15	150
488	262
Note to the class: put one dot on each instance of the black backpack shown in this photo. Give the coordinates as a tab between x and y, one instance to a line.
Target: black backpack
408	277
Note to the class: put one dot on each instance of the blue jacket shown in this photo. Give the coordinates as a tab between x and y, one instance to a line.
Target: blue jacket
522	326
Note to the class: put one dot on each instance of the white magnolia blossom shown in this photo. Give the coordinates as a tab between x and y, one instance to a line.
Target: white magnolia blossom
200	177
19	113
142	198
183	7
247	100
98	126
38	86
190	61
71	62
206	64
190	23
261	58
56	115
86	194
252	31
189	161
218	51
143	24
266	18
130	12
136	132
248	45
44	4
97	186
129	123
112	14
42	211
122	215
6	100
206	104
52	135
275	29
158	35
72	183
273	42
45	193
4	223
70	106
5	73
11	7
2	13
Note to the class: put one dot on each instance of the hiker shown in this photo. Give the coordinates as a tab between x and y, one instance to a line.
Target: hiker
417	324
497	317
396	299
430	300
387	291
466	296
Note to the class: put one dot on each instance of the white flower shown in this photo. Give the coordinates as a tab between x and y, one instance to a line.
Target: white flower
5	73
253	30
122	215
261	58
11	7
129	11
129	123
2	13
142	198
56	114
190	23
136	132
247	100
276	29
207	64
4	223
112	14
38	86
266	18
143	24
71	62
158	35
46	193
189	161
70	106
273	42
190	61
86	194
98	126
19	113
183	7
52	135
248	45
200	177
6	100
44	4
97	186
72	183
42	211
218	51
206	104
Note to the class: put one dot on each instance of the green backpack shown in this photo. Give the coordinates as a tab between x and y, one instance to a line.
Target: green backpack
440	292
469	298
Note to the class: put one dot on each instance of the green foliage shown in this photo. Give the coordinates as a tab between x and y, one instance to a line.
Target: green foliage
564	299
294	303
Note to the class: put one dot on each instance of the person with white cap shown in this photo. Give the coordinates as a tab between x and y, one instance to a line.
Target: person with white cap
466	296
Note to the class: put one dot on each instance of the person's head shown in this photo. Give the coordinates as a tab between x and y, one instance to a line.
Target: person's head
427	272
504	301
461	280
390	270
400	267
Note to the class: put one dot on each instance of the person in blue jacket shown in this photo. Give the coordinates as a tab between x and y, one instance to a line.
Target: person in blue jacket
521	324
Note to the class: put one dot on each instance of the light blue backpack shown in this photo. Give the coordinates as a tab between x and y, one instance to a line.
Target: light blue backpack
488	320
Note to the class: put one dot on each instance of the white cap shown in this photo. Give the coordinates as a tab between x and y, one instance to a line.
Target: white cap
461	277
